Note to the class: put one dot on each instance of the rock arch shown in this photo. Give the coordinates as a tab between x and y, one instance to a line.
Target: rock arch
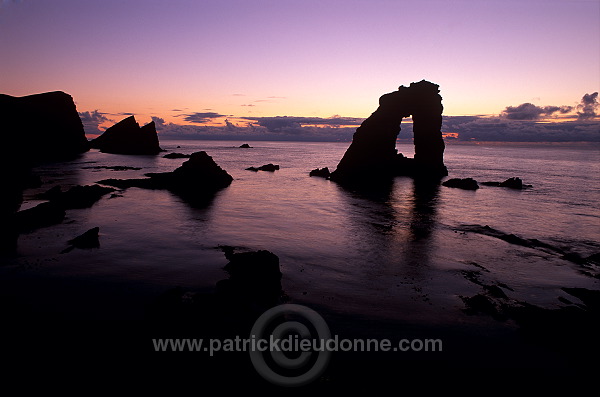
372	153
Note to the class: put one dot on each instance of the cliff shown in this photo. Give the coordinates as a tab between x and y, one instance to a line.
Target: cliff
42	127
34	129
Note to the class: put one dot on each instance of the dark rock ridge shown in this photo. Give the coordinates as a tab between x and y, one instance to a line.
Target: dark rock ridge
112	167
322	172
567	329
245	146
513	183
466	183
253	286
126	137
372	153
588	263
177	156
76	196
42	215
86	240
197	177
267	167
53	211
253	276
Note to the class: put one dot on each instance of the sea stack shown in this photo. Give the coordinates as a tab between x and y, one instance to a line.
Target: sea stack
372	155
126	137
197	179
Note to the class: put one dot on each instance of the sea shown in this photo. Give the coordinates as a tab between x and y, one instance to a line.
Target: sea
363	259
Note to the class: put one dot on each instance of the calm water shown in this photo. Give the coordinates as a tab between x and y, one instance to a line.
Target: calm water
394	254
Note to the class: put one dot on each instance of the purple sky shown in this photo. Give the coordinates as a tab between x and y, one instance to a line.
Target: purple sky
179	60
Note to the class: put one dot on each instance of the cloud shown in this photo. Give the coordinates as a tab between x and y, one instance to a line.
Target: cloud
202	117
158	122
523	123
529	111
250	129
91	121
287	123
475	128
587	107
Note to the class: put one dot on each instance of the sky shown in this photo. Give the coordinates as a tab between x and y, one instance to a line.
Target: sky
514	70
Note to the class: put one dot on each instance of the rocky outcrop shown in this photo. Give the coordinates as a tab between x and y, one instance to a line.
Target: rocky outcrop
126	137
253	276
48	213
245	146
253	286
322	172
199	174
372	155
86	240
42	215
42	127
267	167
76	196
465	183
35	128
197	178
512	183
111	167
176	155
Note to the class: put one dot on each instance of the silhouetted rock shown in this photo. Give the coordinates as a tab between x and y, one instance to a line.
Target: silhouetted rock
196	178
112	167
513	183
199	174
86	240
466	183
322	172
177	156
253	286
480	304
53	211
567	329
531	243
372	154
78	196
267	167
42	215
35	128
126	137
145	183
595	258
50	194
253	276
245	146
41	127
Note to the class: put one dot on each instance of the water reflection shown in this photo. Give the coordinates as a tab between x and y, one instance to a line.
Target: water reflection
424	208
423	220
394	223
